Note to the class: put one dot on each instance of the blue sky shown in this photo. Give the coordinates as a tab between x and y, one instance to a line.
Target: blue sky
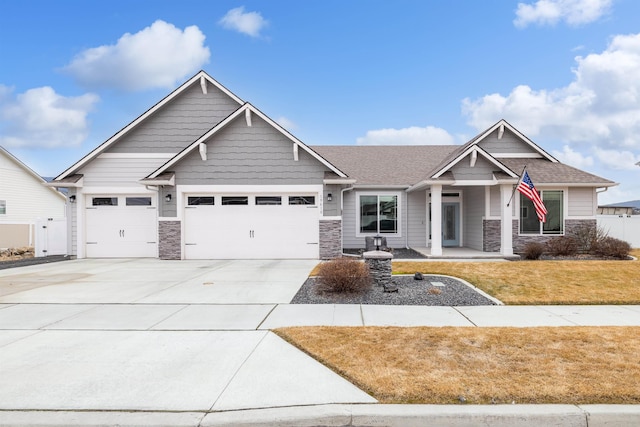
564	72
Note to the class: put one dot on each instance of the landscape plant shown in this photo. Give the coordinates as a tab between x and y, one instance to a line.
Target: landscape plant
343	275
533	250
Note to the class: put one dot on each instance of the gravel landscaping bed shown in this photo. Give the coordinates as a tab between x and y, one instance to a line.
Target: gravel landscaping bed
410	292
32	261
398	253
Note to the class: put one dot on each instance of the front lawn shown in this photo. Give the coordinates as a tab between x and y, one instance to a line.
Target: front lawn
543	282
571	365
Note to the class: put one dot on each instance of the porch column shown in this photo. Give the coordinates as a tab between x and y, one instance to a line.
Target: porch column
506	220
436	220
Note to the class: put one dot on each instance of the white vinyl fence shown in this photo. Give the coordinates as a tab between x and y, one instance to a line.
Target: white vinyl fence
623	227
51	237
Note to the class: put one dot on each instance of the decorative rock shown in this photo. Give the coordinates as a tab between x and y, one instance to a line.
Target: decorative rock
390	288
418	276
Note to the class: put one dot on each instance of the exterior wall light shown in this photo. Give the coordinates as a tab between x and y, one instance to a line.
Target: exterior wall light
72	198
167	198
329	197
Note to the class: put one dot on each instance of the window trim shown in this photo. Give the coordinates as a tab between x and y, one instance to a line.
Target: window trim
565	210
399	214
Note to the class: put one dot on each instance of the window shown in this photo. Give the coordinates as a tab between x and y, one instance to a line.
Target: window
200	201
268	200
554	202
104	201
3	207
378	213
235	200
302	200
138	201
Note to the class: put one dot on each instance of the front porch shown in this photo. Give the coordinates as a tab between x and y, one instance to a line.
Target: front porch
459	253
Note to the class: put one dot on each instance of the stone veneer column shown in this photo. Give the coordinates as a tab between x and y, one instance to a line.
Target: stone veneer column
379	263
330	238
169	240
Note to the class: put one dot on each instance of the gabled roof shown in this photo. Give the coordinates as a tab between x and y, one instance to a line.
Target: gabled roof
473	150
201	77
246	108
501	125
542	171
29	171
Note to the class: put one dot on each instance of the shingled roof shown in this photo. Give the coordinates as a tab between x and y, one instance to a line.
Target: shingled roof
406	165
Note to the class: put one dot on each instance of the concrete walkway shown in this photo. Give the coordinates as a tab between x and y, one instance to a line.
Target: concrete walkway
149	342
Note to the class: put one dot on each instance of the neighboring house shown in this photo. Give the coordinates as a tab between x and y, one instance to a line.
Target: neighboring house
24	199
624	208
205	175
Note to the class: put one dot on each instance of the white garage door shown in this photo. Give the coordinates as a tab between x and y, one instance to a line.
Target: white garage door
264	226
121	227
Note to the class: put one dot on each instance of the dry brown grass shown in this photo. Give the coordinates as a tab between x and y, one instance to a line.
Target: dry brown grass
543	282
481	365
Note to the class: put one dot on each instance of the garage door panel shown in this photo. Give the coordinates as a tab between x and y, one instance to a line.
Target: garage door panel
251	231
120	231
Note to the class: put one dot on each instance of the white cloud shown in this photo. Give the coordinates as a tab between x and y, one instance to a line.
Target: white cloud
601	107
618	160
42	118
550	12
155	57
408	136
286	123
573	158
249	23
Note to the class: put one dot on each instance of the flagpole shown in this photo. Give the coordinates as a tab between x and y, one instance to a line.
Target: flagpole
516	187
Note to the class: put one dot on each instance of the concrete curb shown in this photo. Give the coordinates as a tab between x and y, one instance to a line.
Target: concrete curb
347	416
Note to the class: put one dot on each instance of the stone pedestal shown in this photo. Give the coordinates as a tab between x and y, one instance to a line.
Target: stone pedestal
379	263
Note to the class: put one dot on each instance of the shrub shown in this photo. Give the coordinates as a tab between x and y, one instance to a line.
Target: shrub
343	275
587	237
612	247
562	246
533	250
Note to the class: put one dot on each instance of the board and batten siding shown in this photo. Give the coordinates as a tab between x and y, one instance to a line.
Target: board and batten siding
417	219
508	144
249	155
115	172
178	123
350	237
473	213
582	202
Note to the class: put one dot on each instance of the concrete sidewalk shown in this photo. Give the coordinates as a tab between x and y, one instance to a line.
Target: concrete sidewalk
150	343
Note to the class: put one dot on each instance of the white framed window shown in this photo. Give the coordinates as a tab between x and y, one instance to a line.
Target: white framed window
554	202
3	207
378	213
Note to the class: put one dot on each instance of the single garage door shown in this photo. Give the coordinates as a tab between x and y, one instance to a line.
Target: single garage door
263	226
121	227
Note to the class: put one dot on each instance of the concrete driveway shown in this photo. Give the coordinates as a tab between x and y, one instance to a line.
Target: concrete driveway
151	335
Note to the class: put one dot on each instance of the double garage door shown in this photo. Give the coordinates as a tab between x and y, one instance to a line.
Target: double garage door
258	226
121	226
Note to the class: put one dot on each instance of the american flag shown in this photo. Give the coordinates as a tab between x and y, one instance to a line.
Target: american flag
526	187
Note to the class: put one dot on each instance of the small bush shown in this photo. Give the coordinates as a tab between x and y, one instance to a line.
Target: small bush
587	237
562	246
612	247
533	250
343	275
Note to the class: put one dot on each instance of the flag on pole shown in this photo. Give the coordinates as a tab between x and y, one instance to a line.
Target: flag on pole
527	188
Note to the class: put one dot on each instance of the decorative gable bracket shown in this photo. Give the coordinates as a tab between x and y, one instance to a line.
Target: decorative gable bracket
202	148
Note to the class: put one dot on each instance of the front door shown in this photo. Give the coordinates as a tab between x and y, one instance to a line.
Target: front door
451	224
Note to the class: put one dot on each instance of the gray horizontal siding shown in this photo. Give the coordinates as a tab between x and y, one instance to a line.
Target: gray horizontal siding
417	219
473	202
582	202
178	123
482	169
508	144
107	172
249	155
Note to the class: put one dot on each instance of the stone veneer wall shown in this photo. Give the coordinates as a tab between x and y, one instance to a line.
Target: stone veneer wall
491	234
330	238
169	240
